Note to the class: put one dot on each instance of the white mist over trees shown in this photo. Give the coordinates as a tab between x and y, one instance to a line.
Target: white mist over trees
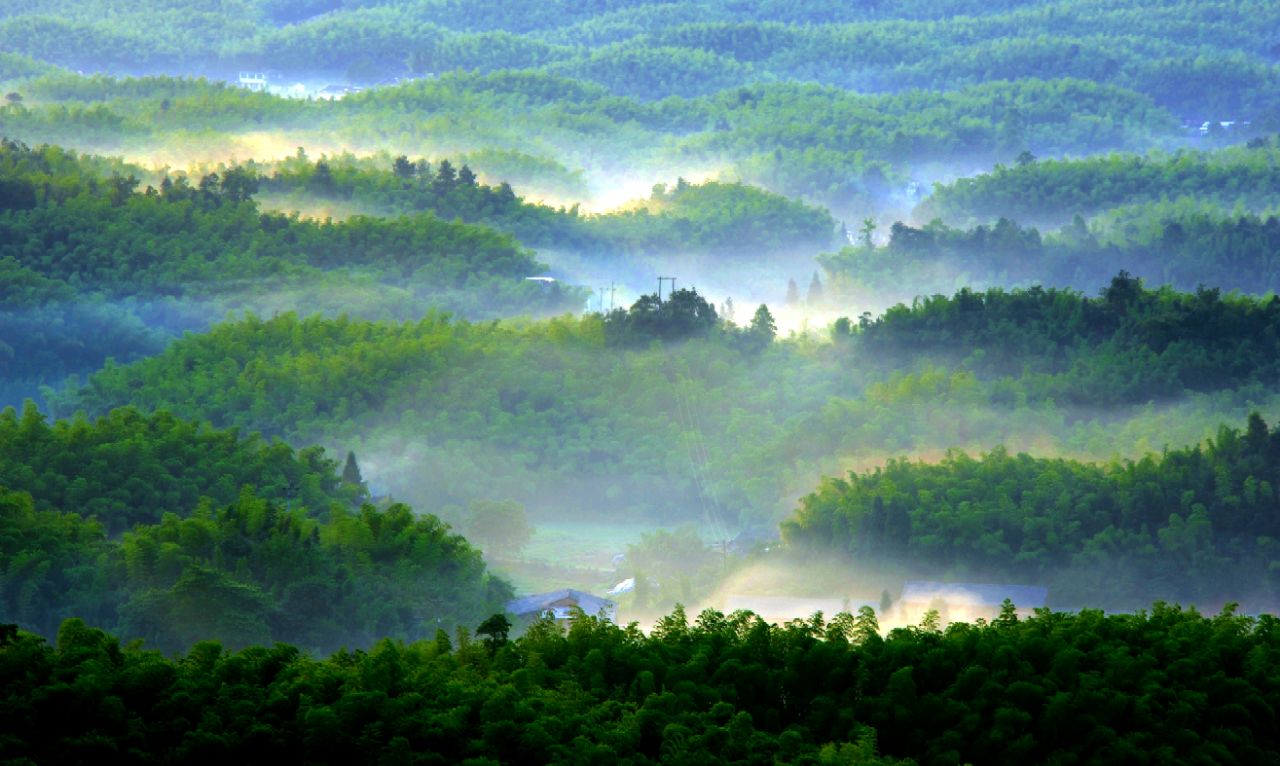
329	328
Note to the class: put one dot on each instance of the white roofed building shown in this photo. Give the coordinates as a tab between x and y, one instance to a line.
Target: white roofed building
254	81
560	605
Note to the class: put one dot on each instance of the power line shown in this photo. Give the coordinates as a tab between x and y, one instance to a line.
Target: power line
700	443
721	518
698	463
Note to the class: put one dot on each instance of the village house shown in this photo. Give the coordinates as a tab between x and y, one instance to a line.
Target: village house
560	605
254	81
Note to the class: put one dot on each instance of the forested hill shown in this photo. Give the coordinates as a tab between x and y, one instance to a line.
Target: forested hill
1199	524
207	235
728	220
1168	685
838	148
1190	56
552	414
126	468
1054	191
558	414
95	267
1128	344
1185	219
959	291
1185	244
177	533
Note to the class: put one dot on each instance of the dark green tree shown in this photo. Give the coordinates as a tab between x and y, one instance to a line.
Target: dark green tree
763	329
351	470
446	178
495	631
239	184
403	168
322	179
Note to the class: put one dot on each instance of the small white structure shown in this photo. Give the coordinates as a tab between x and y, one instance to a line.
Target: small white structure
297	90
336	92
560	605
626	586
541	280
254	81
1225	125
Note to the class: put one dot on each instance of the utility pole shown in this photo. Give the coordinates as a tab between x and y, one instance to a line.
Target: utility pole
611	291
664	279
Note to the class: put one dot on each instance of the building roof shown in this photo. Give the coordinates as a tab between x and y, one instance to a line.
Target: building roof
541	602
976	594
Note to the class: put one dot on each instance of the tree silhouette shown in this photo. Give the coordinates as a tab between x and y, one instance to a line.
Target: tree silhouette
351	470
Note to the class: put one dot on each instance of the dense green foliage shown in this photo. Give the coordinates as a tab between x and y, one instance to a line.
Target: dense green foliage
1128	344
718	218
103	234
95	269
1191	56
683	315
846	107
839	148
16	67
1184	219
732	220
1182	244
827	144
1168	685
1056	190
550	414
47	332
177	532
367	299
243	573
126	468
571	414
1194	524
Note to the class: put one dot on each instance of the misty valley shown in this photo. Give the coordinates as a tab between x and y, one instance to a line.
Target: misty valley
441	382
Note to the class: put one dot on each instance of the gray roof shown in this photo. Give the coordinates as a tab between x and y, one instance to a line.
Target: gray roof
540	602
984	594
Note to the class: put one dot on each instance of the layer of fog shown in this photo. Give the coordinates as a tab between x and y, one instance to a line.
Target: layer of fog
399	468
